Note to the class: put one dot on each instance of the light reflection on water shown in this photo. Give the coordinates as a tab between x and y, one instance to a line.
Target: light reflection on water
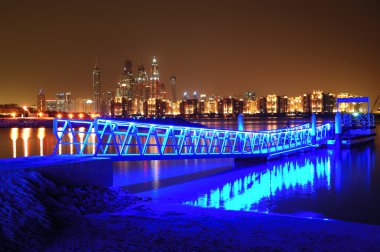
339	185
23	142
14	136
25	138
41	136
247	193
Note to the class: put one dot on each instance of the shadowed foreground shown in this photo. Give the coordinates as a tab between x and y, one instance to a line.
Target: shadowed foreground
153	227
37	214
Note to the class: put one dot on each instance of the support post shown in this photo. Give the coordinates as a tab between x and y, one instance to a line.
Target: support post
313	128
338	130
240	122
368	115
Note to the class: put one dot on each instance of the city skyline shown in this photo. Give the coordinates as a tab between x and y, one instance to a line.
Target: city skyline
132	75
228	48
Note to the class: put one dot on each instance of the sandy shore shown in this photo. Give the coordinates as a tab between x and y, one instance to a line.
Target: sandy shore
155	227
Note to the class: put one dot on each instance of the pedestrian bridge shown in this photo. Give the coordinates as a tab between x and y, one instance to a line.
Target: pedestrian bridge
132	140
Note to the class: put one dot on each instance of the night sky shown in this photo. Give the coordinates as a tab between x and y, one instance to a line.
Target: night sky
222	47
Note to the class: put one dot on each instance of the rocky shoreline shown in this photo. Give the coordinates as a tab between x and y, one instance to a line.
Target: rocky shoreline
26	122
37	214
35	209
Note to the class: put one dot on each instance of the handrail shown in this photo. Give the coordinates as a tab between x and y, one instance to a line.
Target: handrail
140	140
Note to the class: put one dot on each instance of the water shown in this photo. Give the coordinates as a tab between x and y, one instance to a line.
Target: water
323	183
23	142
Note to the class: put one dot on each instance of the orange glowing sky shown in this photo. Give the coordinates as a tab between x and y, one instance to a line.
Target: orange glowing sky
222	47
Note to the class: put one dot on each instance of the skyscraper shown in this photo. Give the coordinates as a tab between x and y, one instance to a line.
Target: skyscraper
69	103
60	101
41	101
142	87
173	86
96	87
126	83
155	79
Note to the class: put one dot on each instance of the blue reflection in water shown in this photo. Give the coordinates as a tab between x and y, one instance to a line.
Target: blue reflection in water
247	193
343	184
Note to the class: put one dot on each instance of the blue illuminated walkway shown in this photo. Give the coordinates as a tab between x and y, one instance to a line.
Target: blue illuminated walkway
123	140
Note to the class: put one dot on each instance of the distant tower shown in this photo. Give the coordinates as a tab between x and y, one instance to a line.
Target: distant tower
155	79
41	101
173	86
60	101
126	84
69	106
96	88
143	88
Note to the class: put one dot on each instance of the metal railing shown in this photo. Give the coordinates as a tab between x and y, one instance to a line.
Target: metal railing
358	121
139	141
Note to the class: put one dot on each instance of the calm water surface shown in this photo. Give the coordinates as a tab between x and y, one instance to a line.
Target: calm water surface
322	183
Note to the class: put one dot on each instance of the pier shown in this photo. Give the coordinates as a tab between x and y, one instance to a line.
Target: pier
125	140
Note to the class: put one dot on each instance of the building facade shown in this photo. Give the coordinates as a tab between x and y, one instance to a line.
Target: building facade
41	101
96	88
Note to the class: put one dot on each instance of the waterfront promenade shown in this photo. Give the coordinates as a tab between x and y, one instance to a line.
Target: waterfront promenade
26	122
61	217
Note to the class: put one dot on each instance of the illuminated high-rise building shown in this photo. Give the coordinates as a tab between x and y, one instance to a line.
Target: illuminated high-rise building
142	86
230	106
328	103
316	101
295	104
306	103
60	101
96	88
173	86
126	83
41	101
282	104
262	105
69	103
346	107
272	103
155	79
51	105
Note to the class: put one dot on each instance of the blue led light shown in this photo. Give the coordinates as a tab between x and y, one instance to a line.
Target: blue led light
253	191
142	141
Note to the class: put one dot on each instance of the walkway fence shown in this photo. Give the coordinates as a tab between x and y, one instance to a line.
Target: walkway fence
127	140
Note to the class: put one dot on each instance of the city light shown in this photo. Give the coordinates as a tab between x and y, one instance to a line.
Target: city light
143	95
59	116
13	114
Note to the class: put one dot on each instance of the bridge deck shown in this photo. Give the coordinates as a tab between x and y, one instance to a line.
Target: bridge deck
122	140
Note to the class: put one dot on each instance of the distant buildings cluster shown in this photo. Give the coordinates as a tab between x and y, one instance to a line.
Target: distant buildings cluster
140	93
144	94
135	93
249	104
